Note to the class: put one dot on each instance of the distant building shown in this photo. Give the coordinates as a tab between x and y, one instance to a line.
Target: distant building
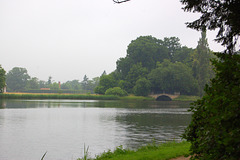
44	88
5	89
59	85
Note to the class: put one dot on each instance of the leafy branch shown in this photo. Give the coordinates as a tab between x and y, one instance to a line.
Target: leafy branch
117	1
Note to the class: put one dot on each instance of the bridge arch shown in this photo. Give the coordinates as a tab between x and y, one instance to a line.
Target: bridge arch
159	97
163	98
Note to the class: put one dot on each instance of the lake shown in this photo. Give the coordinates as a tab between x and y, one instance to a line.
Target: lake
29	128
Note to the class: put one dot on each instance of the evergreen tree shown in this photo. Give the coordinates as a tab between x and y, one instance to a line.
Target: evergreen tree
49	82
84	83
202	67
104	73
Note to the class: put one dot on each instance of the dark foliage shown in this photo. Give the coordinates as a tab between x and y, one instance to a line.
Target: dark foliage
164	63
117	91
142	87
223	15
214	131
117	1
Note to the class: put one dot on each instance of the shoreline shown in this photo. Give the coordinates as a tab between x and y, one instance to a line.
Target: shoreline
165	151
16	95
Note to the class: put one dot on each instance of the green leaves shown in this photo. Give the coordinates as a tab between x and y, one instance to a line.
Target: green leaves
117	91
17	78
222	15
106	82
142	87
215	130
172	77
2	78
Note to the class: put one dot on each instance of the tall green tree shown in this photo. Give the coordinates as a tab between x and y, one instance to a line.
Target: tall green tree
104	73
42	84
71	85
84	82
135	73
123	66
141	50
184	55
223	15
32	83
144	53
106	82
172	77
2	79
142	87
90	85
17	79
173	45
214	130
49	82
54	86
147	50
125	85
202	66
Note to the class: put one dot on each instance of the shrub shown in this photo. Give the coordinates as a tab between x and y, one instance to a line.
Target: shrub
214	131
142	87
117	91
99	90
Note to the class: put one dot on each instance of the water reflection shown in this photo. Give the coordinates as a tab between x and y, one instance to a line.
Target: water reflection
144	126
89	103
30	127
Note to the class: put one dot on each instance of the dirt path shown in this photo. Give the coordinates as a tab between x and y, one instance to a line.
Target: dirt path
181	158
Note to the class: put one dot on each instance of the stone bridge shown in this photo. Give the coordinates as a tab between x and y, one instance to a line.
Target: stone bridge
164	96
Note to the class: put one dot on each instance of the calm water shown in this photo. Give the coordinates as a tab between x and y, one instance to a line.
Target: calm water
29	128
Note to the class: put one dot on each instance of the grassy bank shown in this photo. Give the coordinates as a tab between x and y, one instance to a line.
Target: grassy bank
164	151
179	98
71	96
56	96
140	98
186	98
86	96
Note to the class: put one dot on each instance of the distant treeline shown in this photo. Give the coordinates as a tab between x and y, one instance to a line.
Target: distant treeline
56	91
18	80
151	66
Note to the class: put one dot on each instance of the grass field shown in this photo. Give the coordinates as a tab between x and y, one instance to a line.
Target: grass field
186	98
132	97
163	151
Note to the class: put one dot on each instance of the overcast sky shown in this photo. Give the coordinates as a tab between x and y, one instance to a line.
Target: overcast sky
67	39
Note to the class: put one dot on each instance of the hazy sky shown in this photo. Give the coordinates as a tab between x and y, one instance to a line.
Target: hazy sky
67	39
